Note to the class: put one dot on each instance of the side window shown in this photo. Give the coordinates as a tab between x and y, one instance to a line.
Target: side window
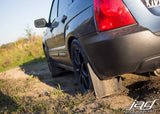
53	13
63	4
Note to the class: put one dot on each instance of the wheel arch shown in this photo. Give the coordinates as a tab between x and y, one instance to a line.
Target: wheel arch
45	46
70	39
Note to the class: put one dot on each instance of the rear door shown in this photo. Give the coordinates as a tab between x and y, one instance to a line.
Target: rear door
50	33
62	20
146	13
58	19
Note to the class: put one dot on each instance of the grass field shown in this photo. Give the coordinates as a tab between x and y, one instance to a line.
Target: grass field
20	52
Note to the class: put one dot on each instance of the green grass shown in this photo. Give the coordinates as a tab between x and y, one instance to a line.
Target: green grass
22	52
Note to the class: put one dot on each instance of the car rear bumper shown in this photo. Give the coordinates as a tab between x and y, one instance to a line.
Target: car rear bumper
131	49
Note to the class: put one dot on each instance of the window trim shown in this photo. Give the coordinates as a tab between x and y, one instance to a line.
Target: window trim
49	20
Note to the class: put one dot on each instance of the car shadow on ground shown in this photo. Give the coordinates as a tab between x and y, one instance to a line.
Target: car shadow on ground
141	90
7	103
39	68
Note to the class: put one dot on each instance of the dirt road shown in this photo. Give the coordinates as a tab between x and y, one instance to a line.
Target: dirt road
136	87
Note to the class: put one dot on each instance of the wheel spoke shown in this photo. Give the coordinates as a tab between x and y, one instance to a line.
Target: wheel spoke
84	70
81	79
81	60
77	57
85	82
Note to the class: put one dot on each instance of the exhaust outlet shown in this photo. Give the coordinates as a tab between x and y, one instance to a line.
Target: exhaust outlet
157	72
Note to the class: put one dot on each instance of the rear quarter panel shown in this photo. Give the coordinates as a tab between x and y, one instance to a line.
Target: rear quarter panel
80	20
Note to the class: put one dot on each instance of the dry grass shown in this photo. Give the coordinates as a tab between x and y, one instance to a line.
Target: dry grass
20	96
24	96
20	52
40	93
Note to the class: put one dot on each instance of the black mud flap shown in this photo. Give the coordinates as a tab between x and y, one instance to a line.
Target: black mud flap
105	88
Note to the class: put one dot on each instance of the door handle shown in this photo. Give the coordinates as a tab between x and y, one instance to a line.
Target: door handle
64	18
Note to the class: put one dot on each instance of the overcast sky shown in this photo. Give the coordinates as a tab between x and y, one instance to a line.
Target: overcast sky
17	15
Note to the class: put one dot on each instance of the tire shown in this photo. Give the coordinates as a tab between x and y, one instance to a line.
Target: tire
52	65
81	71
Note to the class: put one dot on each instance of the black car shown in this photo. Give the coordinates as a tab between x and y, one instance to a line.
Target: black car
102	38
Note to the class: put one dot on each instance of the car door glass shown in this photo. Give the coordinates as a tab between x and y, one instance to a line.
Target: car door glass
63	4
53	13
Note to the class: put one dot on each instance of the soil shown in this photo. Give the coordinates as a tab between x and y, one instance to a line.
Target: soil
142	87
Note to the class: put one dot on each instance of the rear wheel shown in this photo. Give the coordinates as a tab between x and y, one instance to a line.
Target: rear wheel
81	71
54	69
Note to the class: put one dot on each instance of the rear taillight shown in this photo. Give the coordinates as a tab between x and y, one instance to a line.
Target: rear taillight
111	14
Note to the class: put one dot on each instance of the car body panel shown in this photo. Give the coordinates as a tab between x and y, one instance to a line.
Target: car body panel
144	16
121	50
82	25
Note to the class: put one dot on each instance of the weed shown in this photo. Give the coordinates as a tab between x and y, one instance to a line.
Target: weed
24	91
39	107
1	83
30	78
57	92
16	98
118	111
1	112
